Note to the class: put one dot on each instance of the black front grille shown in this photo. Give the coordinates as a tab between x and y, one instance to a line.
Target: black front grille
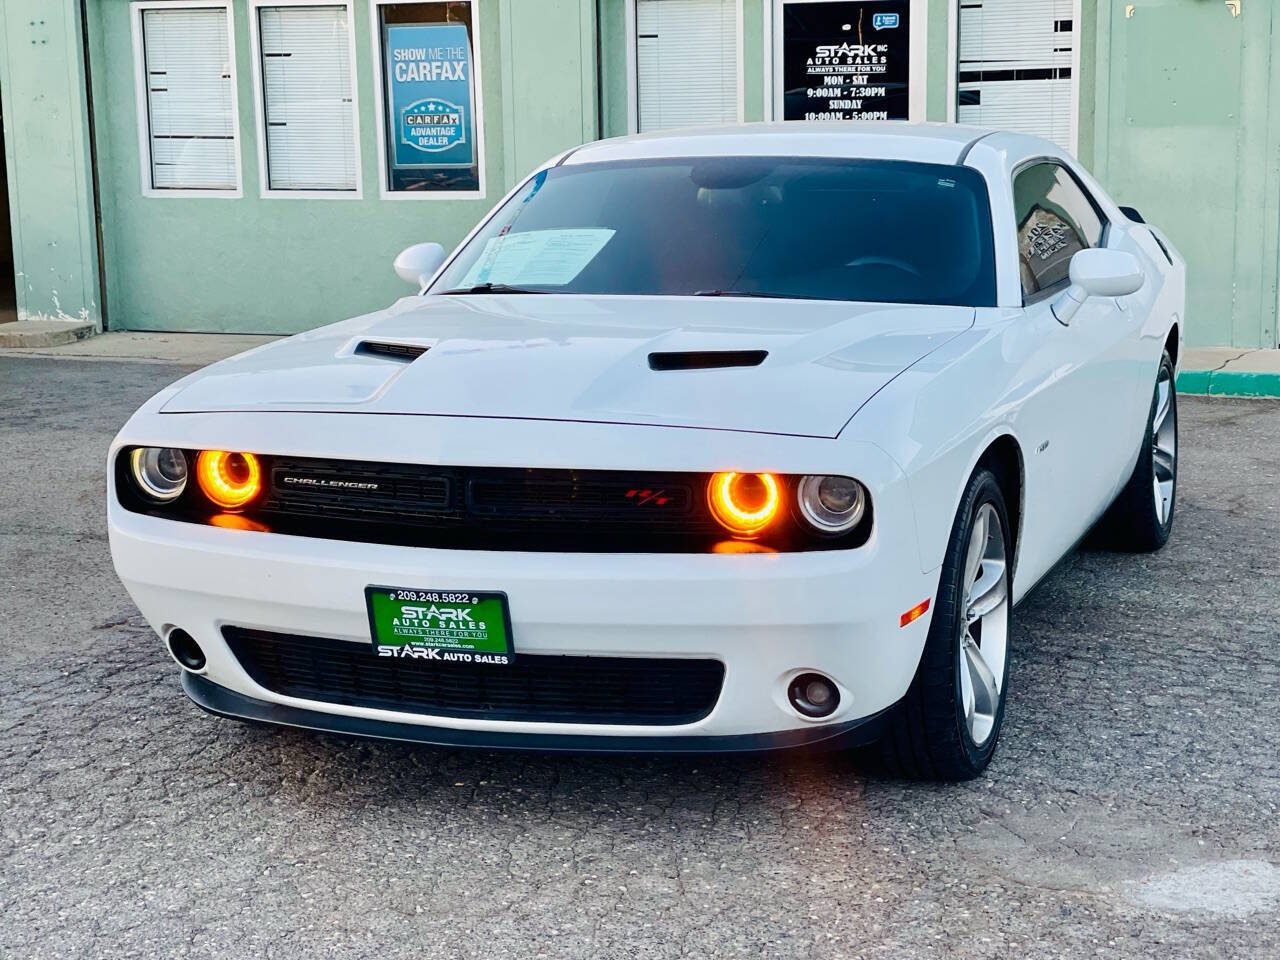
621	690
488	508
582	499
357	491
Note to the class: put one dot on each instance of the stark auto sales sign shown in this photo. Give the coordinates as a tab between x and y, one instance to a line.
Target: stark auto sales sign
846	60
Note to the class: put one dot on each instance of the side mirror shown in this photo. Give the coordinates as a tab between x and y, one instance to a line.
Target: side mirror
417	264
1098	273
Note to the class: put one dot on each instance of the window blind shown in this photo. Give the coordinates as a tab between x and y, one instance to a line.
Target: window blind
1015	66
686	62
307	98
190	99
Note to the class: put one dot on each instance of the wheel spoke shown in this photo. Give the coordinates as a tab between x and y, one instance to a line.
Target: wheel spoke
977	548
1164	393
1163	461
966	687
989	591
986	690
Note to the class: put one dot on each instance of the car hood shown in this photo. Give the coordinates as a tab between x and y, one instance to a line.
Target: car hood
551	357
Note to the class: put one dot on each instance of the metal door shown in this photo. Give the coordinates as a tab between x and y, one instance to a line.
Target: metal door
1184	122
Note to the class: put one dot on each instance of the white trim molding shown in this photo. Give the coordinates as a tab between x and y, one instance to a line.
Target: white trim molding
766	58
142	98
953	58
379	108
260	110
633	74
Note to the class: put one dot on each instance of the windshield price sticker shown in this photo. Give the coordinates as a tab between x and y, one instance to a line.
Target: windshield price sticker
435	626
846	60
549	258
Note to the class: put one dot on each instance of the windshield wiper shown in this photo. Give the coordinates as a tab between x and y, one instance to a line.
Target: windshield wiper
745	293
492	288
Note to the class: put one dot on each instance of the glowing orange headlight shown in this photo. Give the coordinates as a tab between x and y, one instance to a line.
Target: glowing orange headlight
744	503
228	479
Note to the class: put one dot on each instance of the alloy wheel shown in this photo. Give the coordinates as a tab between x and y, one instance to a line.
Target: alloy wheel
1164	446
985	630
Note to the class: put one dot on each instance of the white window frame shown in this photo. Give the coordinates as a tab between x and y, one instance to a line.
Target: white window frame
953	67
917	74
260	102
141	96
379	108
633	74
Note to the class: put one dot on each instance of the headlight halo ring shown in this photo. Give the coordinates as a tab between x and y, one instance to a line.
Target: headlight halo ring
230	479
819	512
743	520
159	473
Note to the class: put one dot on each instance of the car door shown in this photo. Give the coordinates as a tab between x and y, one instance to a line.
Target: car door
1078	409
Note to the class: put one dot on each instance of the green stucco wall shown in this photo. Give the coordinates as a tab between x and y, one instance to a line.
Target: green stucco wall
47	155
1187	129
282	264
937	40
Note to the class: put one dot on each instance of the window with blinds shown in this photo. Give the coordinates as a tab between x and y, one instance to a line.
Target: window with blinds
307	102
686	63
1015	66
191	116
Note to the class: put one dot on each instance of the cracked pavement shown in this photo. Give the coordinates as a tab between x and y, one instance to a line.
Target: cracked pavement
1131	810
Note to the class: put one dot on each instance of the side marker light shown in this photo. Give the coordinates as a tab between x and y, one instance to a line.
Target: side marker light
915	613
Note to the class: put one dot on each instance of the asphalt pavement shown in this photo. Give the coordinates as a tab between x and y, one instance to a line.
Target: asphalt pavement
1131	810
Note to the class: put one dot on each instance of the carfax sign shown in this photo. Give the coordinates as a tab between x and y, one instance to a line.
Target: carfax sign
429	95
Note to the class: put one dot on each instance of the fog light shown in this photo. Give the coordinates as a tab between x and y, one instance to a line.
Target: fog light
159	472
832	504
743	503
813	695
230	480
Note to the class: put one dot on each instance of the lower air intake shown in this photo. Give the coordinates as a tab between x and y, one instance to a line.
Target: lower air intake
620	690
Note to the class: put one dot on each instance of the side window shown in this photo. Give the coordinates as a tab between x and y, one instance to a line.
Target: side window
1055	219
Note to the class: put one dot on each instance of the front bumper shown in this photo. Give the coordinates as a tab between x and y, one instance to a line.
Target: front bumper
766	617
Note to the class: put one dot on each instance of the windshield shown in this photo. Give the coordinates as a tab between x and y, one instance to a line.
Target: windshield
821	229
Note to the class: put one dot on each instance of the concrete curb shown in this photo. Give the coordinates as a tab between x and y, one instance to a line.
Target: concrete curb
1229	383
32	334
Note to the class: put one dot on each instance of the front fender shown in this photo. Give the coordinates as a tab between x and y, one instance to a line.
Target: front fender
936	420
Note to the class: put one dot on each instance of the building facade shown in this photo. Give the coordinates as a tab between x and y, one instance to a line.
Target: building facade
255	165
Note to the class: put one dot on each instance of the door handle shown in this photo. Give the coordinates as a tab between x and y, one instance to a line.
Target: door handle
1233	6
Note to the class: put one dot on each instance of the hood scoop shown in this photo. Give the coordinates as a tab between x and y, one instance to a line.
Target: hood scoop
706	359
408	352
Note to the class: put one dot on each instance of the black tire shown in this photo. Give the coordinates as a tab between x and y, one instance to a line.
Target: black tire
1133	522
927	736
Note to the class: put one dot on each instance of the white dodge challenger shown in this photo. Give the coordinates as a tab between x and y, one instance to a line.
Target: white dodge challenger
721	440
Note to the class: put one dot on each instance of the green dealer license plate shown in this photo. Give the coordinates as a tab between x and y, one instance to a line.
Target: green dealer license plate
440	626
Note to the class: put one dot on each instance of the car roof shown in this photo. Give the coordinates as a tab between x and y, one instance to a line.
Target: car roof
875	140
